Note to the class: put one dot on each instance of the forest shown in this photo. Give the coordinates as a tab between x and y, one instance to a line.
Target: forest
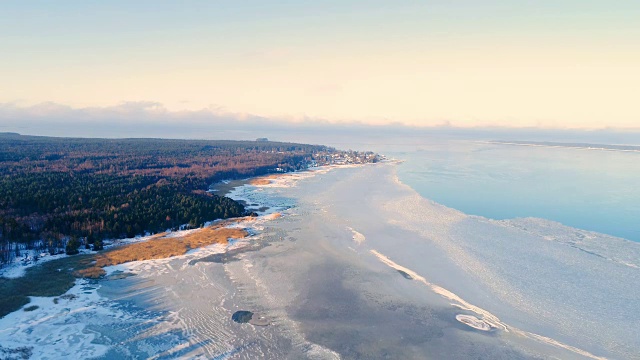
62	192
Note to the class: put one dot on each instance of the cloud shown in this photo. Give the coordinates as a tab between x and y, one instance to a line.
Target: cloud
146	119
152	119
149	112
140	112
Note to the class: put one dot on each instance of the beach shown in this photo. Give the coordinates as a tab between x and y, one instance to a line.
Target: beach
348	262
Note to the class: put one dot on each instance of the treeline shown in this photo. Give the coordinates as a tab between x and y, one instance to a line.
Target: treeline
56	189
146	156
104	205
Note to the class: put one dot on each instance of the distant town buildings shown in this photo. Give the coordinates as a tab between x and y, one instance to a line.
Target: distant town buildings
344	157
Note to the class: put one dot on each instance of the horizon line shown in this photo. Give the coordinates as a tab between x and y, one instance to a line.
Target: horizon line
145	111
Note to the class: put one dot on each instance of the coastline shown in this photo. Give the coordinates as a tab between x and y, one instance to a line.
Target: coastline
91	302
71	323
345	266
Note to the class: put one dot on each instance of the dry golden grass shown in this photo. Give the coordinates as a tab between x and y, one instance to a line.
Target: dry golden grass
263	180
93	272
212	235
165	247
228	222
258	182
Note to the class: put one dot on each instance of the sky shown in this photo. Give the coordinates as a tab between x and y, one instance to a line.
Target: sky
549	64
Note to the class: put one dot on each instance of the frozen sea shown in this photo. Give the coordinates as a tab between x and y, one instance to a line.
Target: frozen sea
369	268
587	188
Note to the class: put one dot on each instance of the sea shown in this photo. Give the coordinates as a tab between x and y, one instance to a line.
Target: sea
586	187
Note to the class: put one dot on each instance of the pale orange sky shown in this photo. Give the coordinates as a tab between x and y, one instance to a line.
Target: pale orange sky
568	65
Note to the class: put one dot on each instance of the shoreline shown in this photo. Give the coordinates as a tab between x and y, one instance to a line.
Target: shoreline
121	273
221	188
313	270
84	307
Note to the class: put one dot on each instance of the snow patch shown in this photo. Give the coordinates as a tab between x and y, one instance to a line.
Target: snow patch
56	329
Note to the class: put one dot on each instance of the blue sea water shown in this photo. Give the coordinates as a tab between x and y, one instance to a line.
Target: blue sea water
597	190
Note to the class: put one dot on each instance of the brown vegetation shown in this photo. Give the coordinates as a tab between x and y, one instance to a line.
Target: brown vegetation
263	180
93	272
165	247
260	182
